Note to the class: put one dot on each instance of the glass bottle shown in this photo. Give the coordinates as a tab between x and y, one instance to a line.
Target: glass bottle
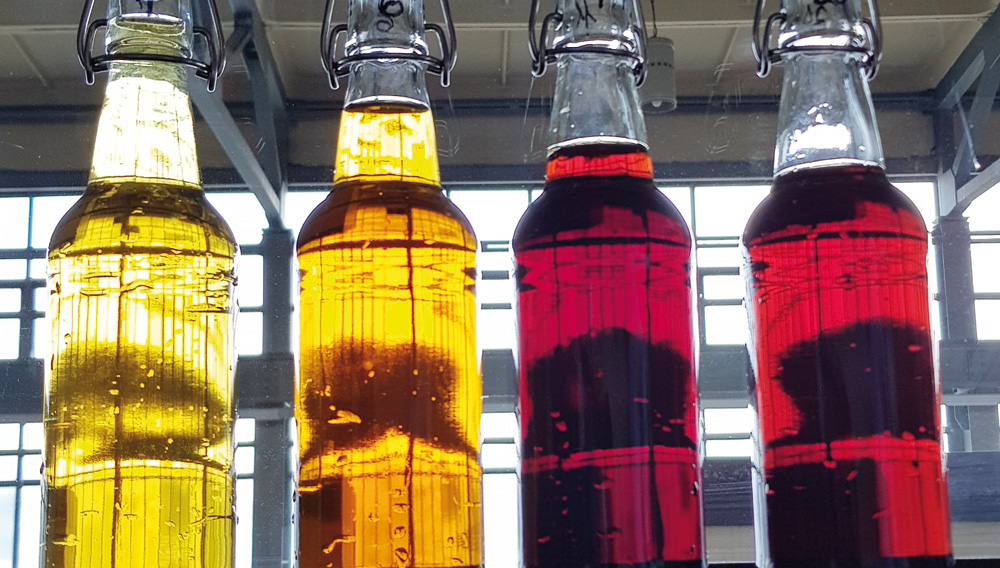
610	462
138	408
848	468
388	399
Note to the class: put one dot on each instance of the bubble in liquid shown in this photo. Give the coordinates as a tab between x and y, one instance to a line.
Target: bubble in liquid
561	425
402	555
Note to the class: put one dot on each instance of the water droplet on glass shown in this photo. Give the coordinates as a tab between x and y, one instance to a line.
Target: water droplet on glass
561	426
399	532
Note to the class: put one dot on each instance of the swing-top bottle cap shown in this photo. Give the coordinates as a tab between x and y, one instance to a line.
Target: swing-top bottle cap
610	27
385	28
818	26
152	31
822	24
161	27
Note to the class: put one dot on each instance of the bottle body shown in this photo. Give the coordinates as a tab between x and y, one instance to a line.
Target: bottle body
139	409
610	466
388	401
847	399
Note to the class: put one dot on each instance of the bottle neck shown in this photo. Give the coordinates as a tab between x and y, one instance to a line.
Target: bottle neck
826	116
387	129
146	130
595	102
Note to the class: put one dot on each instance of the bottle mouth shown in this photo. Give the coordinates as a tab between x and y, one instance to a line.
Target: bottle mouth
152	34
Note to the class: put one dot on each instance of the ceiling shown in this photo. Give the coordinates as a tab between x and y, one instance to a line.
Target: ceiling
712	38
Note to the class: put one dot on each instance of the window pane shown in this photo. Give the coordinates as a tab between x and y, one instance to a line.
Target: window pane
500	498
681	198
14	220
6	526
32	434
249	333
243	462
10	300
499	425
31	533
245	430
250	283
9	436
728	448
728	420
41	299
31	467
8	468
499	455
495	329
988	319
12	269
495	259
495	291
921	193
46	213
41	347
298	206
985	268
719	257
244	523
10	336
728	287
725	325
493	214
243	213
38	268
724	211
982	213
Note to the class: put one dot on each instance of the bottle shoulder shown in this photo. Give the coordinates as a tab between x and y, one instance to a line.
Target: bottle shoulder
623	206
143	214
384	210
853	198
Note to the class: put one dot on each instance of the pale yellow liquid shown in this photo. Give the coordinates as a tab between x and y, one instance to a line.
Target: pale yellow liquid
138	409
388	399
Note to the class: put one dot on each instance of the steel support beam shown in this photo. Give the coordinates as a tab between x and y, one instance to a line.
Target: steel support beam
243	158
271	118
961	181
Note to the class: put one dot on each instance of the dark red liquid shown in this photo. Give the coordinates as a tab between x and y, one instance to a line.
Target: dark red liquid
847	400
610	470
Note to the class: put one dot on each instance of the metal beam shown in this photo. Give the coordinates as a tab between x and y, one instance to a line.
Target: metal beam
961	182
271	117
243	158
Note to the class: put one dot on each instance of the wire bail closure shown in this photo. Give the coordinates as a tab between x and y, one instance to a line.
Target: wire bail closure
767	56
210	70
542	53
335	67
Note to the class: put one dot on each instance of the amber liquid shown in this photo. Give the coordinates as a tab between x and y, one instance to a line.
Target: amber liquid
846	394
610	469
388	398
138	409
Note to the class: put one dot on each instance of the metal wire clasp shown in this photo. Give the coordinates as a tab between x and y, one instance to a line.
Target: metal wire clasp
542	53
766	56
210	70
339	67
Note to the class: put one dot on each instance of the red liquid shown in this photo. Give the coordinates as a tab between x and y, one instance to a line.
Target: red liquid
846	393
610	470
